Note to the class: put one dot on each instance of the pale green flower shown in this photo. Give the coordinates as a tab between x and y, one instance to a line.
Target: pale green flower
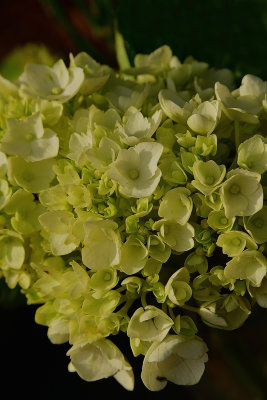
79	143
229	312
31	176
185	326
157	249
241	108
234	242
58	331
176	205
252	154
218	221
136	170
251	85
55	83
139	346
133	284
100	303
136	128
149	324
175	107
250	265
208	176
256	225
178	237
28	139
133	256
51	111
172	171
205	145
101	359
95	74
205	117
260	293
241	193
153	63
101	244
103	155
124	96
12	250
196	262
176	359
54	198
79	196
177	288
25	212
58	225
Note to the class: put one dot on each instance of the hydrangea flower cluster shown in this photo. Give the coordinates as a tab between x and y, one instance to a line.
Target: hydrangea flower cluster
134	201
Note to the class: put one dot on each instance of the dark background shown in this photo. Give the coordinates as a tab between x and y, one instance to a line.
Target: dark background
224	33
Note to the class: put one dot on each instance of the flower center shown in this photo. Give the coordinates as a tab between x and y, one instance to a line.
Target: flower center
223	220
56	90
209	180
133	173
236	242
28	136
234	189
107	276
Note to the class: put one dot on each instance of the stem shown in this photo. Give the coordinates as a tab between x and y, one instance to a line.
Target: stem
164	307
173	317
125	308
143	300
190	308
237	135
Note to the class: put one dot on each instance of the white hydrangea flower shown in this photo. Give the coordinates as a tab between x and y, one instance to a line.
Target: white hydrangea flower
175	359
101	359
241	193
101	244
52	83
135	127
136	171
29	139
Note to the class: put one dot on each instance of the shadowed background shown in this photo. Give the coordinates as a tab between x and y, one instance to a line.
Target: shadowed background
224	33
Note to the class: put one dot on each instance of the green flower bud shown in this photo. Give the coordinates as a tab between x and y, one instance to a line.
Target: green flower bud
205	145
133	284
172	171
157	249
177	288
196	262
